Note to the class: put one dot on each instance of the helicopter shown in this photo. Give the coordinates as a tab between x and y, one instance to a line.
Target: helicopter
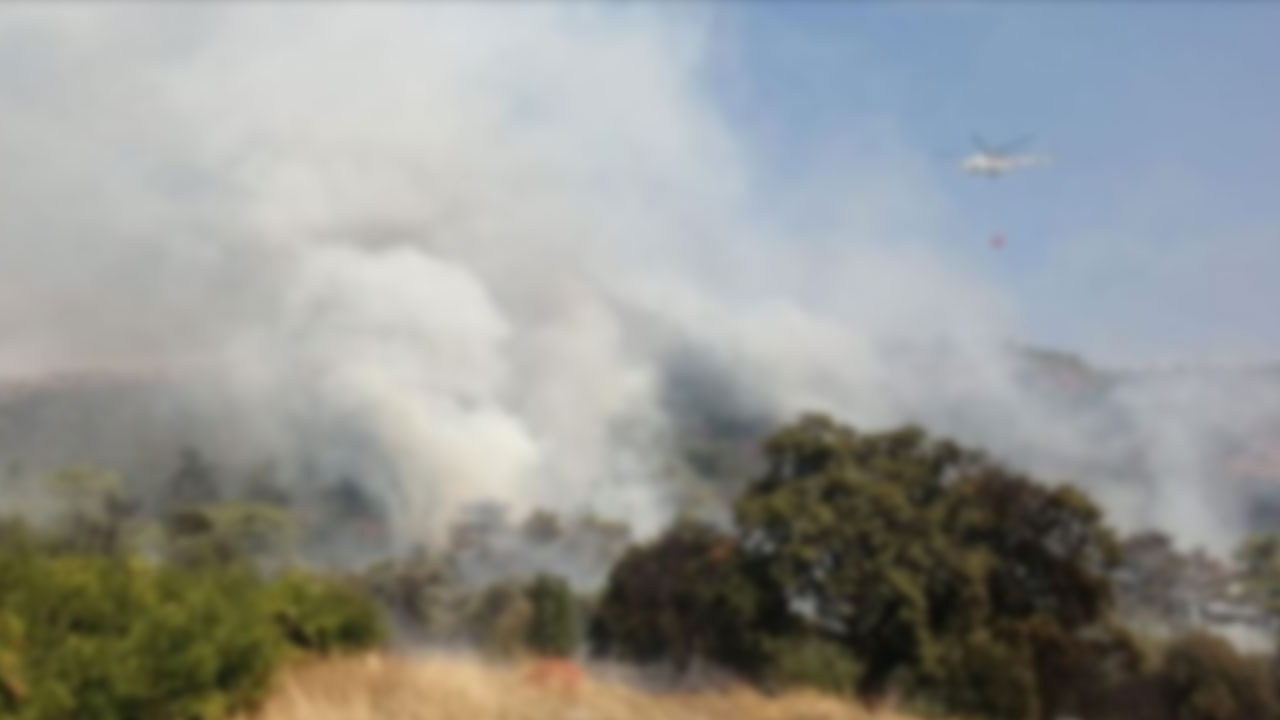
993	162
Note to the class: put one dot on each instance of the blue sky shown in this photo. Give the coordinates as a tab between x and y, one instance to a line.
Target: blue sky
1155	234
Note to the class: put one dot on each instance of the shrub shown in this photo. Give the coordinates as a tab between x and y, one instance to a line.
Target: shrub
1204	678
811	662
108	637
553	628
104	638
13	685
422	592
985	676
324	615
206	643
500	619
688	596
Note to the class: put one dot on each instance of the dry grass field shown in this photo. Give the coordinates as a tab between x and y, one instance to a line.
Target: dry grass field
379	687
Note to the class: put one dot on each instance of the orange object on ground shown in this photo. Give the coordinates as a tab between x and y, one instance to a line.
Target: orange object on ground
556	674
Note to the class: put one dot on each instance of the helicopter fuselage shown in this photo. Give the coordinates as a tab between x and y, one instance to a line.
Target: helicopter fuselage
991	165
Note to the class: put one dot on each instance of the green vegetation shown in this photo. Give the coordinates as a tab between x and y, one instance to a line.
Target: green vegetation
812	662
863	564
1259	559
513	618
1203	678
500	620
895	563
553	625
688	595
323	615
524	610
97	636
91	629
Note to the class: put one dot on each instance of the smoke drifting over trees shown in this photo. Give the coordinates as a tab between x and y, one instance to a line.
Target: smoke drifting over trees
457	257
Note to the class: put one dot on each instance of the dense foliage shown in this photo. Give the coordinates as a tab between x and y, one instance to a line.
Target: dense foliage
553	624
893	563
90	630
323	615
1203	678
687	595
866	564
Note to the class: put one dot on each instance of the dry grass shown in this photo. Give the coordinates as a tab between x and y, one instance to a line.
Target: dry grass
385	688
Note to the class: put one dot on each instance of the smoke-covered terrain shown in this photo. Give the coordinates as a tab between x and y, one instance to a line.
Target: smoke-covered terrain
453	257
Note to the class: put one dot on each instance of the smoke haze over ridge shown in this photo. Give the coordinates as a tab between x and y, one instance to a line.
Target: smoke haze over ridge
472	254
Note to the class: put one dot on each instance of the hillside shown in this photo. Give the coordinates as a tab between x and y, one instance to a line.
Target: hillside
384	688
1139	439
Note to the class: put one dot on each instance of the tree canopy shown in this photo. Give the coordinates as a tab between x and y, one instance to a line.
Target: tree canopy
684	596
935	569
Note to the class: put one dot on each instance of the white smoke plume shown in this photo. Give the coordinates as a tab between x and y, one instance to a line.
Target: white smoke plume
455	252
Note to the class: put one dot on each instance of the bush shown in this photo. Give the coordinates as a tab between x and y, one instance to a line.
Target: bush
103	638
1204	678
553	628
13	686
322	615
206	643
422	592
985	676
813	663
106	637
687	596
227	534
500	619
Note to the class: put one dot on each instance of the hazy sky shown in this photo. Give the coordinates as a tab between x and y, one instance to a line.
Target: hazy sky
1154	236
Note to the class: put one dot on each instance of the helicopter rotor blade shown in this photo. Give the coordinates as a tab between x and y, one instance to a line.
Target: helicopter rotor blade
1010	148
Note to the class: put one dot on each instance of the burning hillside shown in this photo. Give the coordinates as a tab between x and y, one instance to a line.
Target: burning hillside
1141	442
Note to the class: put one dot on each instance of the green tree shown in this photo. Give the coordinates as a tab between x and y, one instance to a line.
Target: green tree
809	661
687	595
320	615
194	483
102	638
501	618
1048	551
13	683
229	533
852	527
542	527
112	637
423	592
553	626
1150	574
1204	678
94	514
1259	561
937	568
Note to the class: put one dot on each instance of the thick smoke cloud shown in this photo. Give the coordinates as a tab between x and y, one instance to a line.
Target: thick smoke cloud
506	253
